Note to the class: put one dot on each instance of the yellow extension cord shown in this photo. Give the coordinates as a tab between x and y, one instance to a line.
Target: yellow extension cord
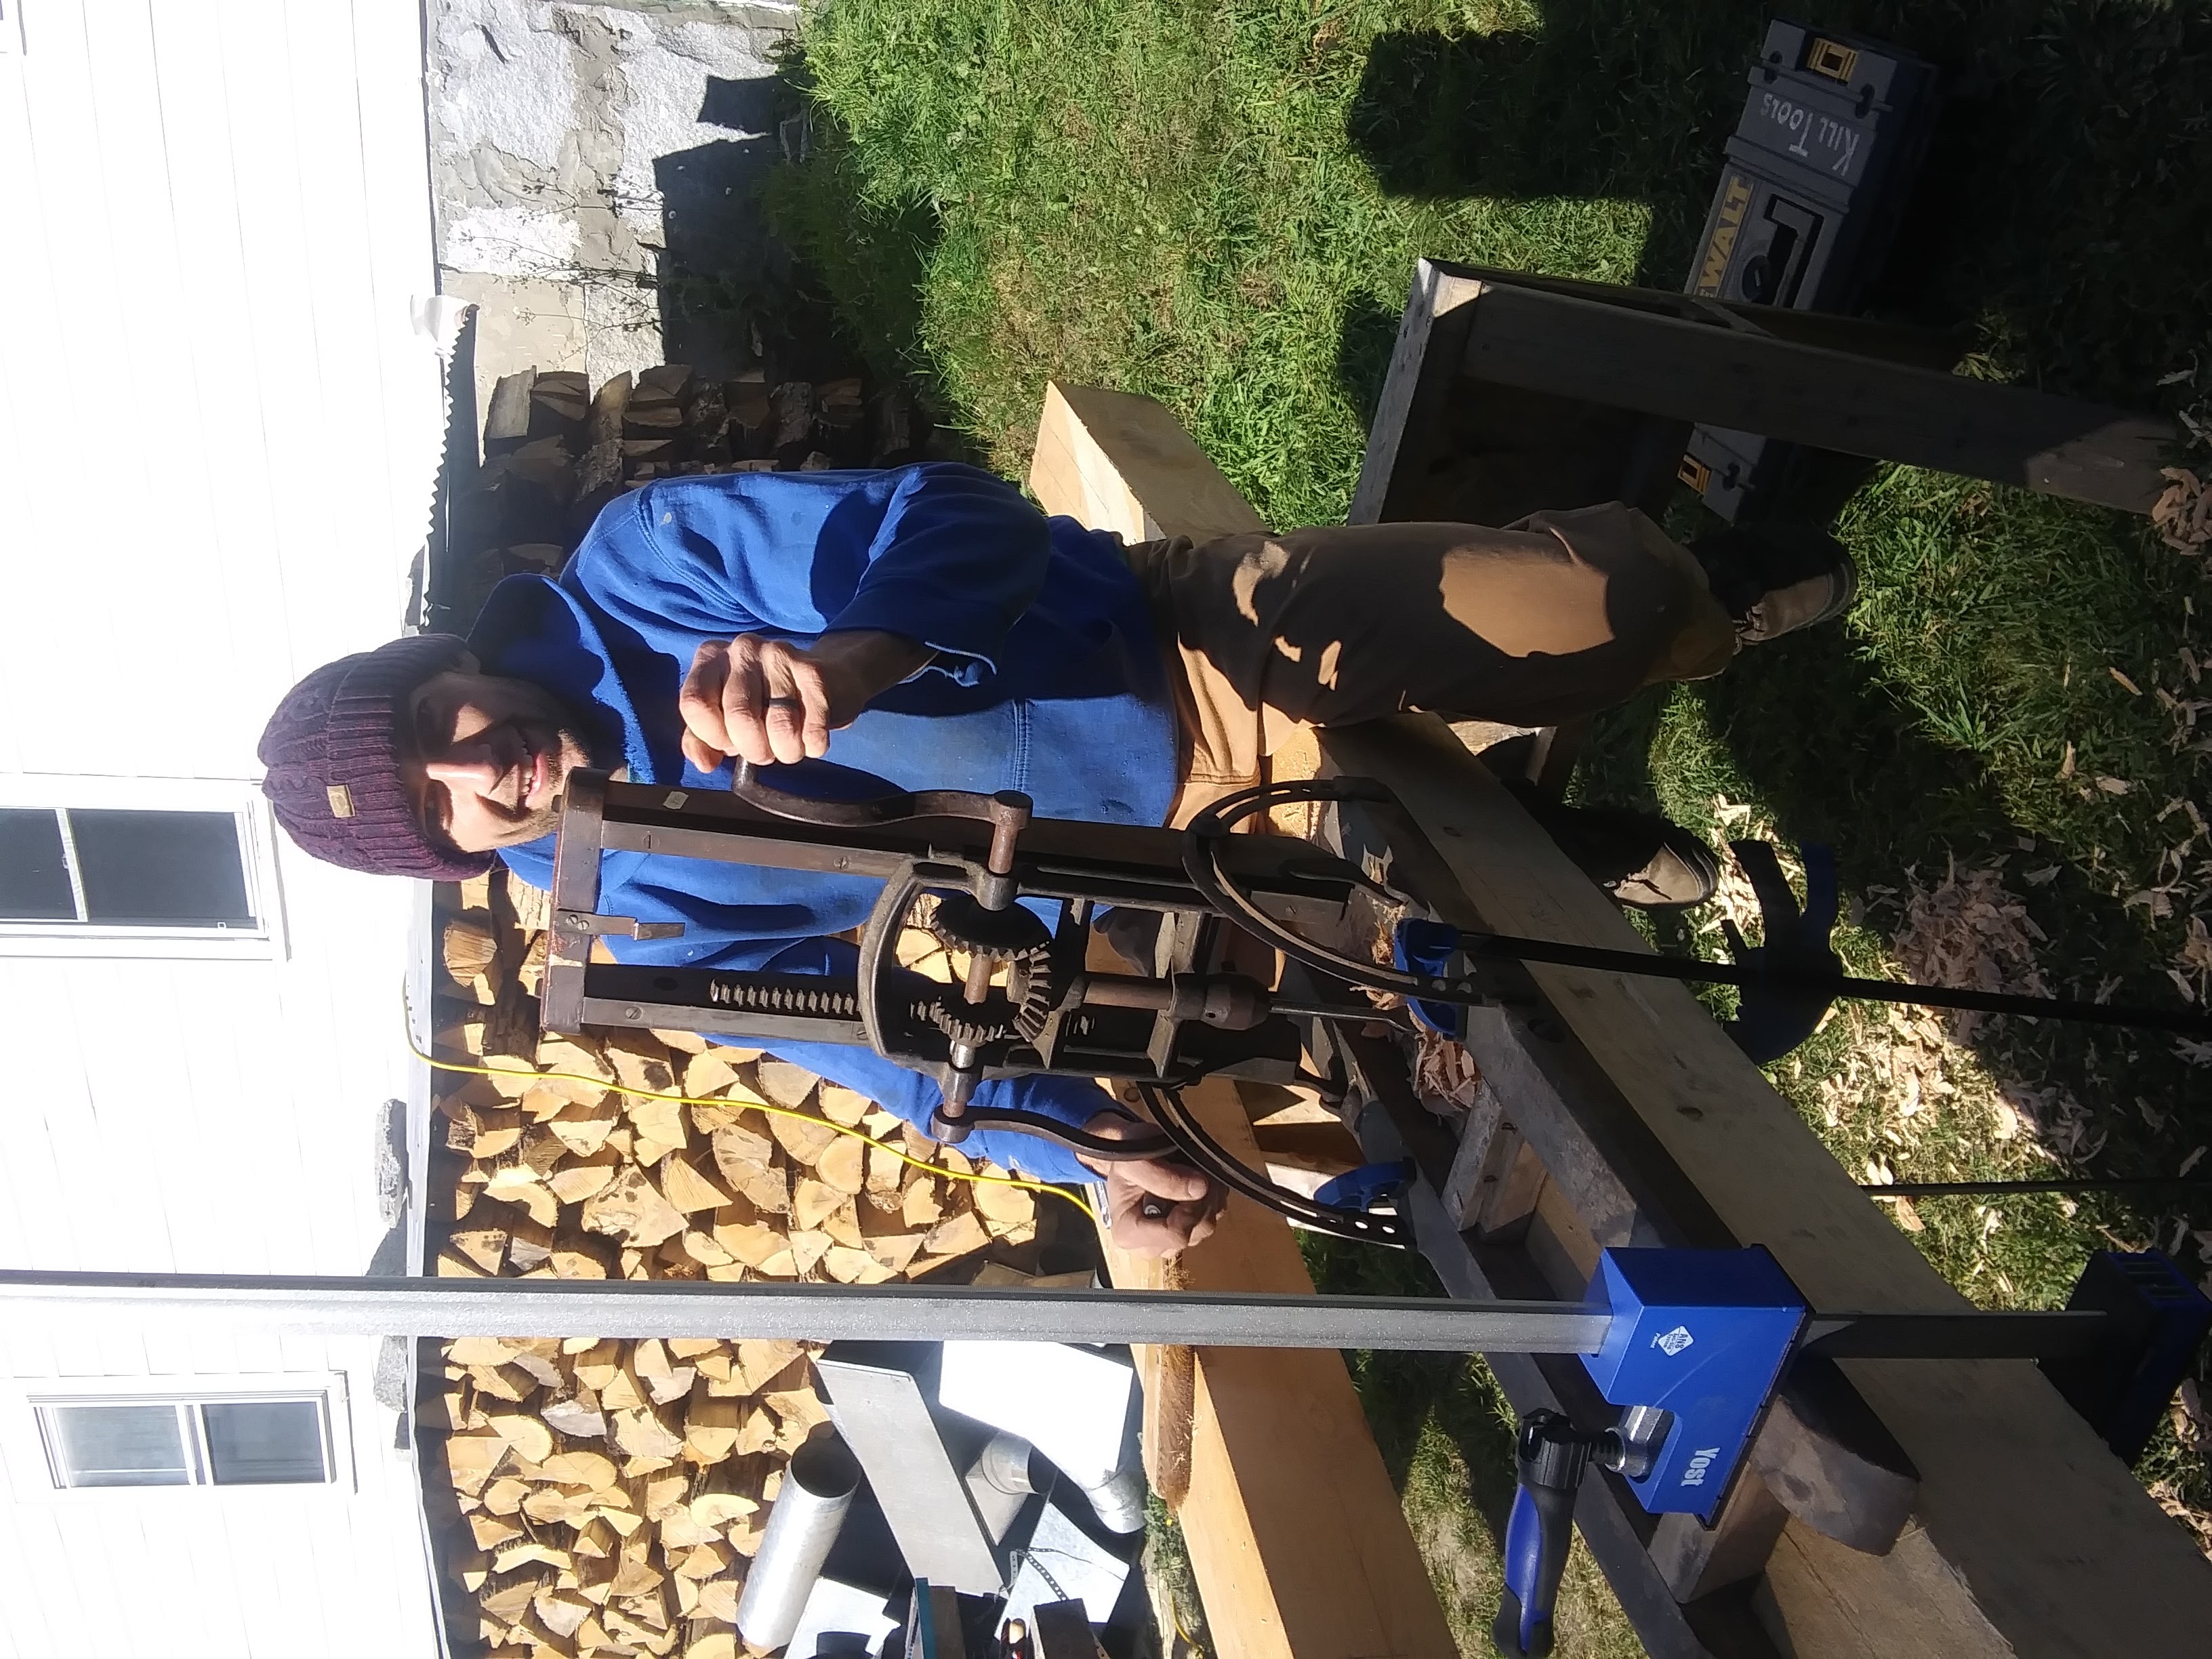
899	1152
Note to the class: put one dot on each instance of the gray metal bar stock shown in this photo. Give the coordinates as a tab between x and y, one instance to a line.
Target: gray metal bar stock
939	1313
507	1307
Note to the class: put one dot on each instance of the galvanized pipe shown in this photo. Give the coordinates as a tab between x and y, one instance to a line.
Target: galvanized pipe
802	1524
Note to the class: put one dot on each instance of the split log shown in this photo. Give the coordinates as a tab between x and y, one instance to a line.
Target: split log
712	1425
687	1189
507	418
791	413
492	1531
956	1236
750	413
529	1437
842	1164
716	1069
577	1256
529	1246
638	1062
670	382
540	1150
586	1177
642	1433
718	1600
660	1125
518	1184
803	1139
559	398
633	1209
483	1246
480	1133
470	950
707	425
1004	1208
837	404
575	1416
545	465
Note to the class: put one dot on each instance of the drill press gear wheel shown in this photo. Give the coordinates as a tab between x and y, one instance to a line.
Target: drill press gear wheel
993	1020
961	924
1038	987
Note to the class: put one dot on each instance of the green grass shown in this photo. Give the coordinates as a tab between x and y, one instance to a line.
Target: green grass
1219	203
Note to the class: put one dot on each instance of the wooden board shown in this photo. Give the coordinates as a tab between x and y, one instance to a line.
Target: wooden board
1296	1535
1118	462
1442	446
1621	347
2031	1538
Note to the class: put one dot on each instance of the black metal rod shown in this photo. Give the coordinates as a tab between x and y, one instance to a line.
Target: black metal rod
1696	971
1968	1333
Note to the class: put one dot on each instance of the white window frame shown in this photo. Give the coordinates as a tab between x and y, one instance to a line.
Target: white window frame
37	1479
257	845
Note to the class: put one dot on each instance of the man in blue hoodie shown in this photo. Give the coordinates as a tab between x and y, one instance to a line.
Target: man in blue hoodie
929	626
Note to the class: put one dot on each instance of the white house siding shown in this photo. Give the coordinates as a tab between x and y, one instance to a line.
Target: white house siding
219	428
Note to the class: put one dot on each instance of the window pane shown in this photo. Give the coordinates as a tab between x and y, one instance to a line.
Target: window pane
118	1445
34	884
160	869
264	1443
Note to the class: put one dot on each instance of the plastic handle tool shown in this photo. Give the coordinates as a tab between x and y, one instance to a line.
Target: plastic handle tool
1553	1454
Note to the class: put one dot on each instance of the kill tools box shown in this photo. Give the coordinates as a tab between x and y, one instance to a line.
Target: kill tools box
1815	180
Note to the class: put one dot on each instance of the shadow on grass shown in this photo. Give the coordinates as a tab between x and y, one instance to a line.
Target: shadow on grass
2060	204
1593	105
1838	760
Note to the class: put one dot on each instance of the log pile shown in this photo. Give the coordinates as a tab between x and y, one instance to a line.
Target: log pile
557	451
609	1494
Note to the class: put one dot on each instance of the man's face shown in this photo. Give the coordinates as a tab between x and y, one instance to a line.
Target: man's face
489	757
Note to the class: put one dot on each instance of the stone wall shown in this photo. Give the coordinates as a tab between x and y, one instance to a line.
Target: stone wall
594	168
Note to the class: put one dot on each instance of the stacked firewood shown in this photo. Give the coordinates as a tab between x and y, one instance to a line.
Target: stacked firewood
556	452
610	1492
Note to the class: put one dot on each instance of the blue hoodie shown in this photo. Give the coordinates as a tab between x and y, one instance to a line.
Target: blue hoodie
1046	679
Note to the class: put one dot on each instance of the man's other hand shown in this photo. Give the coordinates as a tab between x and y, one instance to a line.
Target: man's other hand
765	700
1154	1207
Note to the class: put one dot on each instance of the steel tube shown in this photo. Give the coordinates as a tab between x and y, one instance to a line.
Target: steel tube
803	1523
926	1313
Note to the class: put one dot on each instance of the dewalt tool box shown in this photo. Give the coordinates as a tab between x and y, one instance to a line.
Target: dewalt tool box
1815	180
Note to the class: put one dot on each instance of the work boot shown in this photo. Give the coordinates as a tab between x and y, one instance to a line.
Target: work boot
1641	859
1775	579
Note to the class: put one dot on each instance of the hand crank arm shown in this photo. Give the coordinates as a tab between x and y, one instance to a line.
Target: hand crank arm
1082	1142
892	808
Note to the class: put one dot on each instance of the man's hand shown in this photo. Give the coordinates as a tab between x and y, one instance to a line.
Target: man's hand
1153	1207
765	700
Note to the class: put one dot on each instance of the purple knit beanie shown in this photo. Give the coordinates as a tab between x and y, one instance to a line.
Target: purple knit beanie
332	749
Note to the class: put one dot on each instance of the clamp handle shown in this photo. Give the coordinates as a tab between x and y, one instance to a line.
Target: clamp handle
1553	1454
